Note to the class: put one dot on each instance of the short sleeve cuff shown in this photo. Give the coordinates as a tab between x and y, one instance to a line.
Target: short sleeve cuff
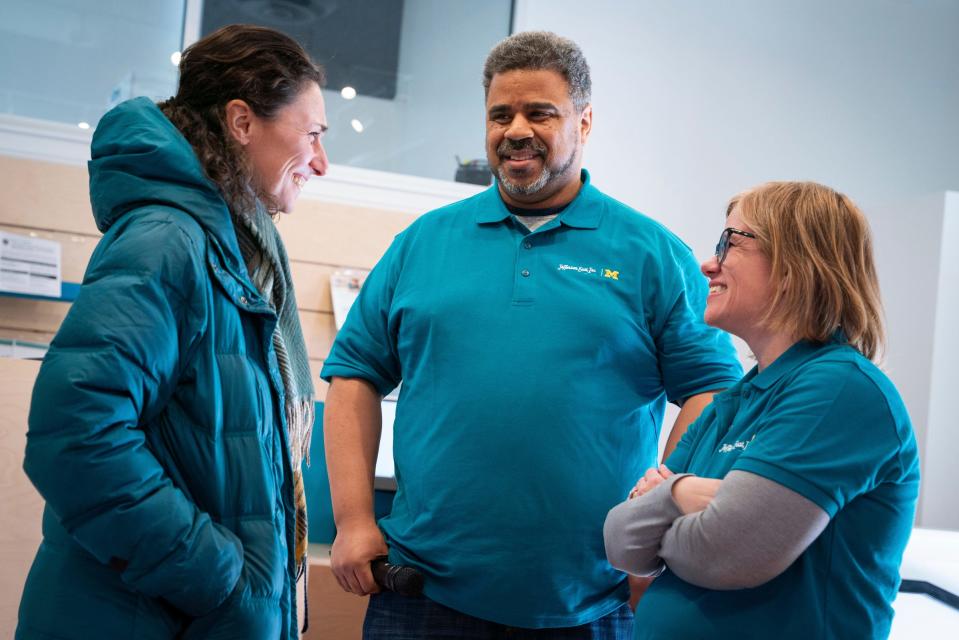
789	480
681	393
337	370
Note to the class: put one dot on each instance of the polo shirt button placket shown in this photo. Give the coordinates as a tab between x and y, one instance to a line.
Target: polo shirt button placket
527	244
525	273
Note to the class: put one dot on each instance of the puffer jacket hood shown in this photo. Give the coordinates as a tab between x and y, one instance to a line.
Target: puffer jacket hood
139	157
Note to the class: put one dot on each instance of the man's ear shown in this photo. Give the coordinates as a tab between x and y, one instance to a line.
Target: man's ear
239	121
586	123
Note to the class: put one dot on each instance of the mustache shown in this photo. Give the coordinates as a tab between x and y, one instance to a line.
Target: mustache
508	146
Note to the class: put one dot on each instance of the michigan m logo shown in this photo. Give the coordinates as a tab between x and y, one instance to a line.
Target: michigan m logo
609	273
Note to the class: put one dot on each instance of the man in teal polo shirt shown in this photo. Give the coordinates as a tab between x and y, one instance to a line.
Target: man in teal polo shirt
538	328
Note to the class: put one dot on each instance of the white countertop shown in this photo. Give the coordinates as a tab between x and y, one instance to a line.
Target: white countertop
932	556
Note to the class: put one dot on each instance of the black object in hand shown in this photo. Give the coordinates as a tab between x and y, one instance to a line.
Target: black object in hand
400	579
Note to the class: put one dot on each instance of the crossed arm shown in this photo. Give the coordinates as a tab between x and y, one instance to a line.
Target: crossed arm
735	533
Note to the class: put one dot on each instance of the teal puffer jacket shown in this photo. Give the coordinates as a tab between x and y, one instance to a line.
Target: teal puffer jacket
156	434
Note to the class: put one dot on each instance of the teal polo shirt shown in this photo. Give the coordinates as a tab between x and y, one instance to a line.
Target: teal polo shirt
823	421
535	369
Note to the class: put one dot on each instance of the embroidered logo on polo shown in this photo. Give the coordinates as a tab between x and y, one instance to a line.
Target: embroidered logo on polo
739	444
611	274
569	267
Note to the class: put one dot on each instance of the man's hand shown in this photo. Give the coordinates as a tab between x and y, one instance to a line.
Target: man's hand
353	549
692	493
650	480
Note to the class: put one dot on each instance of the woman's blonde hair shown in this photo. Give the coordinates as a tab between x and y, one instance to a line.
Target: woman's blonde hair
820	247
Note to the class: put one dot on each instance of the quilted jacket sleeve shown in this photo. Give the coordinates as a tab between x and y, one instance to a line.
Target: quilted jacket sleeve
113	366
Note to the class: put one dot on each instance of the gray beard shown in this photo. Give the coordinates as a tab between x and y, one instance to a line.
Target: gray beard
547	176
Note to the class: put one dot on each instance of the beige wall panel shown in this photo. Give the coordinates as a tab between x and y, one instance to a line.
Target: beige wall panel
319	331
20	504
334	613
38	337
337	234
56	197
75	254
312	284
46	196
22	314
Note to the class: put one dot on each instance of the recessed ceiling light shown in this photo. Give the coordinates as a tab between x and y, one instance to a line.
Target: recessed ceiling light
83	125
348	93
357	125
175	58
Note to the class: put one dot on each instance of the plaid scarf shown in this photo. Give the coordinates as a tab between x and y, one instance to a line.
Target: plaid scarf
269	269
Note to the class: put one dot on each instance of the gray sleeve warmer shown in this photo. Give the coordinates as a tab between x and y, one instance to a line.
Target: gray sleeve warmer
750	533
634	530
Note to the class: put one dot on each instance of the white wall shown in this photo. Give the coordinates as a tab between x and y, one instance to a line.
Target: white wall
696	100
911	251
940	506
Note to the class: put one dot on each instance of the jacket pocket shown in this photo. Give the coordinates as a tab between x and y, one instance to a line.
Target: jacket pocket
155	619
242	616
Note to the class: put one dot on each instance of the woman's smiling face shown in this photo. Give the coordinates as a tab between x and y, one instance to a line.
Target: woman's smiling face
284	152
741	288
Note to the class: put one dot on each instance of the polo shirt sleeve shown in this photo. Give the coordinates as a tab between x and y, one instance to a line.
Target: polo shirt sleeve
829	435
693	356
365	346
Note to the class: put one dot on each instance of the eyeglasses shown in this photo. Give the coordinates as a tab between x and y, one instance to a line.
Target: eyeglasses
722	248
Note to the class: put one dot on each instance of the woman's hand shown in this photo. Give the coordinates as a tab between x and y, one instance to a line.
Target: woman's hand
650	480
692	493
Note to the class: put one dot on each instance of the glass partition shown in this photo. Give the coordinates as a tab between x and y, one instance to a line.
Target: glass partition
70	61
404	91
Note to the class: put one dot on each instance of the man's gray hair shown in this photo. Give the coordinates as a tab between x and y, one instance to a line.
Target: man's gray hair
542	50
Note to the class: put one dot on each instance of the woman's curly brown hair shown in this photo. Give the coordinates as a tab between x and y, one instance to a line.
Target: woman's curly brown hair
261	66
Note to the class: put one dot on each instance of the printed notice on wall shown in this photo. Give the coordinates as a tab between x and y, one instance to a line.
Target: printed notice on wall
344	288
29	265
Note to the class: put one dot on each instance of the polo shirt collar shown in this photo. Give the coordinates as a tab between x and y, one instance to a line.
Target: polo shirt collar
584	212
789	360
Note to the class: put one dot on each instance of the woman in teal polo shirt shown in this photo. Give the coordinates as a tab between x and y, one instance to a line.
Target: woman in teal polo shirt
785	509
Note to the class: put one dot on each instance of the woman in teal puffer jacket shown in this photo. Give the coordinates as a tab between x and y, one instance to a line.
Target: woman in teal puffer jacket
173	409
